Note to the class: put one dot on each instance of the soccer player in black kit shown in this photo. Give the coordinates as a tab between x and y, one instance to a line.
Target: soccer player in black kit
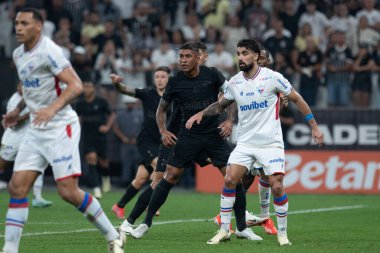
96	119
148	141
173	125
195	87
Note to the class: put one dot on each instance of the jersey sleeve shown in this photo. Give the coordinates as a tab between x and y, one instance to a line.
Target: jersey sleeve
141	93
169	91
281	84
220	80
55	59
106	108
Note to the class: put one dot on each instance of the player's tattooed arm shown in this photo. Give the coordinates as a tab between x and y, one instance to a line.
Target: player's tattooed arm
168	138
21	105
122	88
217	107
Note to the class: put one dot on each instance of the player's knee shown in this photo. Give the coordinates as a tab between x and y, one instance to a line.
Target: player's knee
230	181
277	189
91	158
172	178
17	191
139	182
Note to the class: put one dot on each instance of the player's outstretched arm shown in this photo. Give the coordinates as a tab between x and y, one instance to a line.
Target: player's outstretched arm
304	108
211	110
168	138
122	88
73	90
12	118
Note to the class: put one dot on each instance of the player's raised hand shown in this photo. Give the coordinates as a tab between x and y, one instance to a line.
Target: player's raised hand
317	136
196	118
116	79
168	138
43	116
225	128
10	119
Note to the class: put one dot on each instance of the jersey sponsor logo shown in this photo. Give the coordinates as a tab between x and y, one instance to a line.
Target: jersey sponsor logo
248	94
282	83
277	160
63	159
31	83
254	106
242	93
261	89
265	78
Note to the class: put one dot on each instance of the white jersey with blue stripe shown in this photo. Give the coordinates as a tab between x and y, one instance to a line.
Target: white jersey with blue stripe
37	70
258	103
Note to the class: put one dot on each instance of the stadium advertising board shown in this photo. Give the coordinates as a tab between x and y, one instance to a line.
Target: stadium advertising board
323	172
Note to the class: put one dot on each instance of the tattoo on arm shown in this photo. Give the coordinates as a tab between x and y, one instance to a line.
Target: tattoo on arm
161	114
122	88
217	107
231	111
21	105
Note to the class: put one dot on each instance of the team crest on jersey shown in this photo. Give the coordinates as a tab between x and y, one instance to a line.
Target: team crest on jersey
261	89
242	93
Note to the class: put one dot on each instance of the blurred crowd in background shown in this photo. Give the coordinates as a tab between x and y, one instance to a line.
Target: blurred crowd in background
329	50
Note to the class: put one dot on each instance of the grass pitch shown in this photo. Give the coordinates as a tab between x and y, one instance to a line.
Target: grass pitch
316	223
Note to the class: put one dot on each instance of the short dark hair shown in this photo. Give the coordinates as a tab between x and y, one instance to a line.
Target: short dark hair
250	44
200	45
163	68
36	13
191	46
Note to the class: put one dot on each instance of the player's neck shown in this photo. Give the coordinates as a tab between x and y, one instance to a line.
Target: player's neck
160	92
89	98
192	73
31	44
251	73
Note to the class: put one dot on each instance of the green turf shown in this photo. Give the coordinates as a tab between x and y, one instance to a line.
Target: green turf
352	230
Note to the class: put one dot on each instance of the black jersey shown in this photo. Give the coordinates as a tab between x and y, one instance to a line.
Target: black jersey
93	114
174	120
194	95
150	100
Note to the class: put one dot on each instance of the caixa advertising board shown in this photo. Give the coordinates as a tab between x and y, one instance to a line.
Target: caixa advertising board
321	172
342	129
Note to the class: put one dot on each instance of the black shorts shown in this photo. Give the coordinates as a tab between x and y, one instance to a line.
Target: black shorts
148	149
97	145
163	155
190	146
202	160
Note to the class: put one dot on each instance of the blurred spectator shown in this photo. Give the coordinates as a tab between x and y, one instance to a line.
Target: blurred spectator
222	60
145	16
282	66
56	11
364	36
144	41
303	33
344	22
49	27
109	34
105	65
277	26
108	11
376	67
362	82
212	36
318	21
369	11
233	33
170	10
76	8
215	13
6	28
193	29
81	62
163	56
338	64
133	69
93	28
176	40
66	33
126	127
279	42
309	66
290	16
256	19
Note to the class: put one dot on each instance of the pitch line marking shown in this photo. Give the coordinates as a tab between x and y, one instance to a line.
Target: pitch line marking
319	210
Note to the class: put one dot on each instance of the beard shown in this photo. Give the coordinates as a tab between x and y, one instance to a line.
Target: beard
246	67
